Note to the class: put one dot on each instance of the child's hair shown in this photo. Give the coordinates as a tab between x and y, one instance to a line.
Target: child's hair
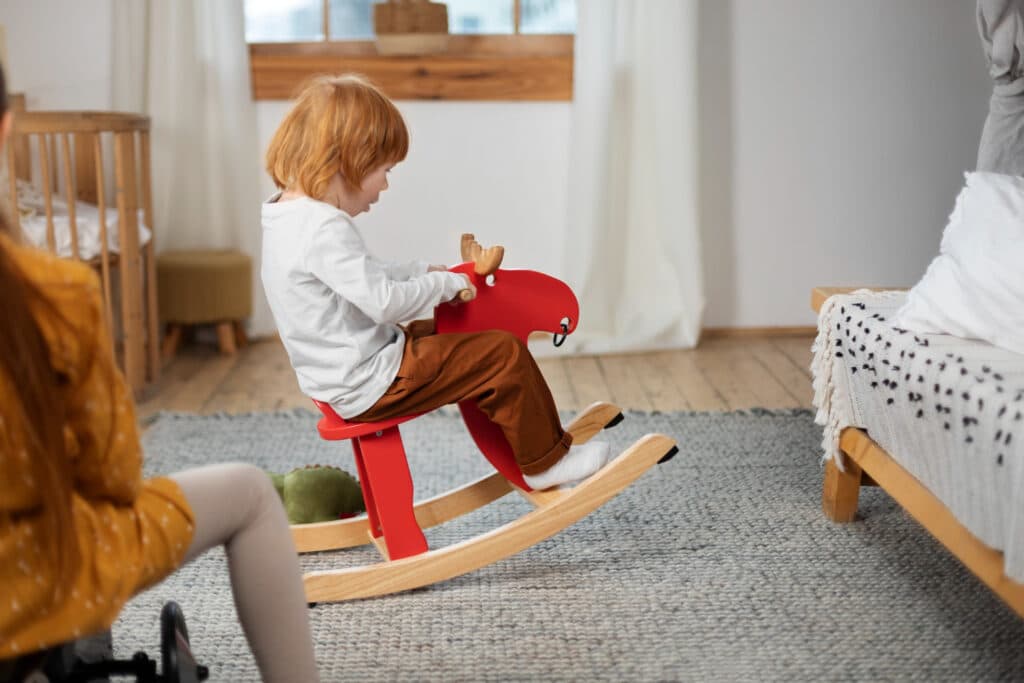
26	369
338	123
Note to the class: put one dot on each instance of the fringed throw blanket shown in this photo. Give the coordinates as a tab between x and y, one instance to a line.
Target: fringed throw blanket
950	411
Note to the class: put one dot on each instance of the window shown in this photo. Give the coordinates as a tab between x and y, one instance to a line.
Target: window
497	49
272	21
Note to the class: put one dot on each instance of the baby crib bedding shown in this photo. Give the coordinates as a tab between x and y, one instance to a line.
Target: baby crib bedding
949	410
32	214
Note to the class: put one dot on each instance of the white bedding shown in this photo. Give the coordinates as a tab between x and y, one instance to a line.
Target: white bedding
949	410
32	213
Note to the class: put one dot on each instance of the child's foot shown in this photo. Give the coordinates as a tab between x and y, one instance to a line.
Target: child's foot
579	463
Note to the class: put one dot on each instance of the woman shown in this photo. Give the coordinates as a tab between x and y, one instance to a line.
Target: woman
81	531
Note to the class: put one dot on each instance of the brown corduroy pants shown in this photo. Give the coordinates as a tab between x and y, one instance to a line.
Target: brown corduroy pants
495	370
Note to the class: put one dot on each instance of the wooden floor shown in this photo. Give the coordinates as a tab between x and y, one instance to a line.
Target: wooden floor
724	373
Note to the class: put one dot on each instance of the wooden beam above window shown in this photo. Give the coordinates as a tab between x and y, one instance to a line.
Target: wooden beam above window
474	67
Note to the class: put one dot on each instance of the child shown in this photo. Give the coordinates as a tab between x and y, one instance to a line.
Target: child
81	531
338	307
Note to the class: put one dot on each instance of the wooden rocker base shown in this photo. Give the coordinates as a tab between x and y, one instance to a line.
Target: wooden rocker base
555	510
348	533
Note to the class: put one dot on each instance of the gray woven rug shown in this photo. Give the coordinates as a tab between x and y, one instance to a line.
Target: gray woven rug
716	565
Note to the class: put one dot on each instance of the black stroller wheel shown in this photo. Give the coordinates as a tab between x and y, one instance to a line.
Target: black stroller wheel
179	666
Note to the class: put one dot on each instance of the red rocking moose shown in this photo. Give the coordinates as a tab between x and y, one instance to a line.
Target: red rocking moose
521	302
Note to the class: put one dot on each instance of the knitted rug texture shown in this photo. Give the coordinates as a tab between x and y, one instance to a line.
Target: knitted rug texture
716	565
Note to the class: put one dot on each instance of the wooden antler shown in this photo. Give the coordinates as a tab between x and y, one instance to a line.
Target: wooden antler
486	260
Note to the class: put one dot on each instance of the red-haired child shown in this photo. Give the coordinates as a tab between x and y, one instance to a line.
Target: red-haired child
339	309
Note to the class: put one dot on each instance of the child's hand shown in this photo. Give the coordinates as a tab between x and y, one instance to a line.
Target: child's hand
435	269
467	294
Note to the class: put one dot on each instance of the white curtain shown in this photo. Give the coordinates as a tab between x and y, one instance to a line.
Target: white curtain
633	249
185	63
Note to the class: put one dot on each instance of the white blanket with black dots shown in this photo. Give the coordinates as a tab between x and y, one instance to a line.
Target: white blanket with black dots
949	410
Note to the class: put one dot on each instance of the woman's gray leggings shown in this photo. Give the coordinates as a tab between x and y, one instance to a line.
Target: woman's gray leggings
236	506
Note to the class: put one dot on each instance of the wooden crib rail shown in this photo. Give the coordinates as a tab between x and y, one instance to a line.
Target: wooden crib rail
78	122
84	127
102	158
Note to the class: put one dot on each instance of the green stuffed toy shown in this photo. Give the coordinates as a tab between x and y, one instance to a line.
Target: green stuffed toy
318	493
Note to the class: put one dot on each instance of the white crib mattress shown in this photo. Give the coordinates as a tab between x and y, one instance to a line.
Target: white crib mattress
32	211
949	410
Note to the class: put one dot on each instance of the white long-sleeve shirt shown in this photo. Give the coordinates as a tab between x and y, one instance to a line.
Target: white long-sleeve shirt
337	307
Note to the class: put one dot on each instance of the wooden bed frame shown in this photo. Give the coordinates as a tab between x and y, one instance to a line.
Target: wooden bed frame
63	153
867	463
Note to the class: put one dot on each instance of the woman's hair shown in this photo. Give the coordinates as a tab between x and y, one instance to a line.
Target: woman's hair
39	402
338	123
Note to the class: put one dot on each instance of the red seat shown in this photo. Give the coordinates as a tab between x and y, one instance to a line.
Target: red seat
519	301
333	428
384	477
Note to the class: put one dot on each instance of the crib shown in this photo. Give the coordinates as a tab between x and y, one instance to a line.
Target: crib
79	186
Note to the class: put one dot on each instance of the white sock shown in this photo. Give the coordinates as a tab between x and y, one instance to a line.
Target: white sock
579	463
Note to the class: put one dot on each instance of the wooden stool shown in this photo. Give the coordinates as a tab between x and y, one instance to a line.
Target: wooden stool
204	287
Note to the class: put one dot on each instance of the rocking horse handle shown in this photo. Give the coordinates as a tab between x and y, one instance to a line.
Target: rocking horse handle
486	260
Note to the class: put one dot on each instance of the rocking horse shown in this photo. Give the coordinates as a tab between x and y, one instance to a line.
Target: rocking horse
521	302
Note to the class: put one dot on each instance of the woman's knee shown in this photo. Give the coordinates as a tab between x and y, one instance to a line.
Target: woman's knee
242	487
257	485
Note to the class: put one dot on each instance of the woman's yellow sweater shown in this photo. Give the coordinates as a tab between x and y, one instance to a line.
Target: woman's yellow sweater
131	532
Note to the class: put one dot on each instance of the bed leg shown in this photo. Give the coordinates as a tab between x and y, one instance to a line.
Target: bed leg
841	489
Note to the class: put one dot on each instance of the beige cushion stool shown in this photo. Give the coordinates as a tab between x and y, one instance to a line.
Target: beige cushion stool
204	287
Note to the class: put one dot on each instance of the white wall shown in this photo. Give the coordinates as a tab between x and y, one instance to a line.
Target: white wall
835	135
833	139
59	52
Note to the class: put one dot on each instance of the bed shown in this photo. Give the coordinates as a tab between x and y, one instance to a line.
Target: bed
936	421
78	184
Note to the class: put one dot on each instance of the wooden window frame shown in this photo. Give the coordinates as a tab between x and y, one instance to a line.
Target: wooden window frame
508	67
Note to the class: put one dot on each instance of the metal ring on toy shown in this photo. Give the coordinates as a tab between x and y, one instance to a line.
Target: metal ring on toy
555	337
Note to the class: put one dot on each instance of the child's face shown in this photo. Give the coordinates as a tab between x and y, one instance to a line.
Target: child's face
374	183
